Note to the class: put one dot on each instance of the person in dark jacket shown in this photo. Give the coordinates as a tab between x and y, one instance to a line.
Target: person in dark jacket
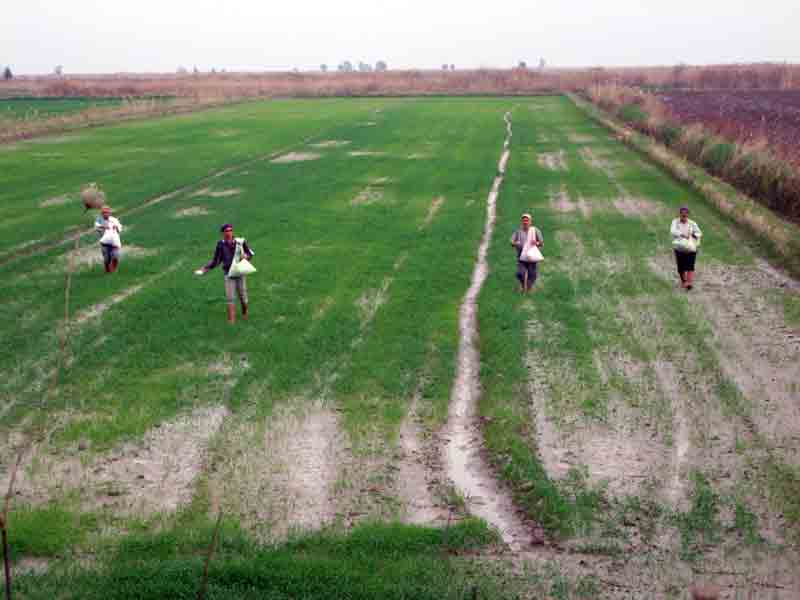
224	254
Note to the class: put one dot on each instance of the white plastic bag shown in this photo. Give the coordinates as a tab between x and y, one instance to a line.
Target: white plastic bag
241	267
111	238
531	253
684	245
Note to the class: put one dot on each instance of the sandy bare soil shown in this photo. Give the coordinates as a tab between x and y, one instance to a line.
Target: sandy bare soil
209	193
154	475
296	157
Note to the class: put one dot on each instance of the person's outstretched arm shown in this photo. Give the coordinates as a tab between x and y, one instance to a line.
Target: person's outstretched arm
214	261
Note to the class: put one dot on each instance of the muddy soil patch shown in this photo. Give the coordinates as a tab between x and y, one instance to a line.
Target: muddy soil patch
357	153
209	193
757	349
279	474
58	201
622	452
594	159
637	207
192	211
580	138
369	195
142	478
91	256
553	161
434	208
561	202
331	144
293	157
421	474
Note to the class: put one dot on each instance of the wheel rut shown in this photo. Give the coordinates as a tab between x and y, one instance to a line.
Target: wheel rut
465	465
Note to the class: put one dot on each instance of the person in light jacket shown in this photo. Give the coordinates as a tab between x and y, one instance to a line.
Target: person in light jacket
686	236
527	272
109	228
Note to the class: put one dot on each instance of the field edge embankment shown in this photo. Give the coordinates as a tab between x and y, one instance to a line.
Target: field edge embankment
781	237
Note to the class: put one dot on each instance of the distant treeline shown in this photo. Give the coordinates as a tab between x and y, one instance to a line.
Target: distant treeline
227	86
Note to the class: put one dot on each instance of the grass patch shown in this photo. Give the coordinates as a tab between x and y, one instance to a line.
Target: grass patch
373	561
47	532
700	525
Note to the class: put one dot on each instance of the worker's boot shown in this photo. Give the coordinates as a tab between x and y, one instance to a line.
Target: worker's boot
689	279
231	313
114	264
244	311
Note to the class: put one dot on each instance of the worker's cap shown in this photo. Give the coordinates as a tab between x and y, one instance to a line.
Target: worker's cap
225	227
683	209
527	216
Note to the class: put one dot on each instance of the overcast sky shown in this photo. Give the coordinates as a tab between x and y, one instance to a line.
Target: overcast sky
88	36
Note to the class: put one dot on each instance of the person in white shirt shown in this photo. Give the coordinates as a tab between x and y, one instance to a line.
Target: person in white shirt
686	236
527	234
109	228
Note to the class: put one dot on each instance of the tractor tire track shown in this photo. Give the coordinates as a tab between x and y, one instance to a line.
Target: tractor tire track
464	462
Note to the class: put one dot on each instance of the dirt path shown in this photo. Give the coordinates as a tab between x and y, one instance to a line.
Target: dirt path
420	471
464	463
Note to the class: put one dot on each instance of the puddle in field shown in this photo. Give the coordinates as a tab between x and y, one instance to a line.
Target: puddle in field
293	157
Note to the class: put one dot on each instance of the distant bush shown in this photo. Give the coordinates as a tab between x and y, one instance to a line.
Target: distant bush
632	113
750	167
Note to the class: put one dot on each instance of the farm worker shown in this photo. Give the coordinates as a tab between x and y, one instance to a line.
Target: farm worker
527	234
224	254
109	229
685	239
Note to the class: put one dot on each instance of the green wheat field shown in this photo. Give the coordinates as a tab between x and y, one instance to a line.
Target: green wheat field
650	434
